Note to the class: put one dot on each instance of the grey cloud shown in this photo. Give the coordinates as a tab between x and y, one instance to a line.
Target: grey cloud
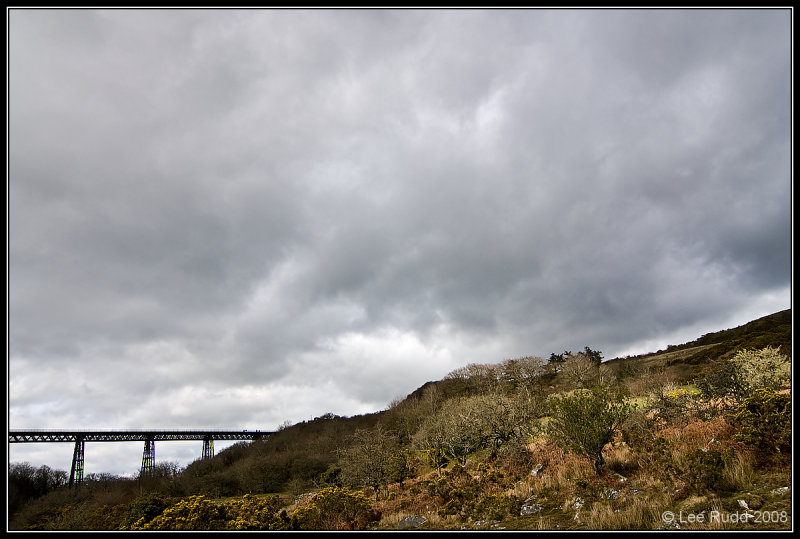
227	195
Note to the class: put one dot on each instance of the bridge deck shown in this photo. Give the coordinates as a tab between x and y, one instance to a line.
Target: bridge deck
36	435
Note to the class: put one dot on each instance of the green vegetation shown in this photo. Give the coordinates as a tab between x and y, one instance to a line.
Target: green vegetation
334	508
585	420
569	443
764	422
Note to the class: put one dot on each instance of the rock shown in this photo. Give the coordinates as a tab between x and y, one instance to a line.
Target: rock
611	493
301	497
536	470
531	509
411	522
620	478
755	502
493	524
578	503
672	524
780	491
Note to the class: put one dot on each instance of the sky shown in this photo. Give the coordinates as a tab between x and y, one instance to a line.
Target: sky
237	219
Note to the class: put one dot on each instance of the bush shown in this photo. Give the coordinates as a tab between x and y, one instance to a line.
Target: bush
154	512
193	513
763	421
761	368
672	403
497	507
334	508
144	509
255	513
640	434
720	382
585	421
705	470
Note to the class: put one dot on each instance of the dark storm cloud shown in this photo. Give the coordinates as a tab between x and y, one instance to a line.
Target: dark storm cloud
328	208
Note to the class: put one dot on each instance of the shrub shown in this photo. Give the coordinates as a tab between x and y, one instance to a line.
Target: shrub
331	477
671	403
334	508
720	382
639	433
497	507
145	509
705	470
193	513
255	513
761	368
763	421
585	421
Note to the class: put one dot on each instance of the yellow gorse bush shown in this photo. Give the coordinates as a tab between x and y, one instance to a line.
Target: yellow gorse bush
193	513
333	508
201	513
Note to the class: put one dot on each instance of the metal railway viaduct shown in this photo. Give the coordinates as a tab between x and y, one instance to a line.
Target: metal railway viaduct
149	437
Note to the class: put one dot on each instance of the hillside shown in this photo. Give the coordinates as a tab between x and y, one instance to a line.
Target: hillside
691	429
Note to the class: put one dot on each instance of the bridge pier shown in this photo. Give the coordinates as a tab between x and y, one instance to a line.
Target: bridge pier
148	457
76	472
208	447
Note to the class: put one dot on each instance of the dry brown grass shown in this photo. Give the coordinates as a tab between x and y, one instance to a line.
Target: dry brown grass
638	513
740	473
698	434
621	459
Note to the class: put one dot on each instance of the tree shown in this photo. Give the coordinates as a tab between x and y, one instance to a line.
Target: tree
467	424
580	370
372	458
430	439
458	427
502	418
585	420
26	483
406	416
594	355
560	358
521	372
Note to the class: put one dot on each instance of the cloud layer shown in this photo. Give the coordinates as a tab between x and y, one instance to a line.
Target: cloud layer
234	218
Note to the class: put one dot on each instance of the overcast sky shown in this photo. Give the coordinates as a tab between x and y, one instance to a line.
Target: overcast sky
233	219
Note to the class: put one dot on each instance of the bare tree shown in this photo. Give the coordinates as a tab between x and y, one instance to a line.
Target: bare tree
580	370
372	458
